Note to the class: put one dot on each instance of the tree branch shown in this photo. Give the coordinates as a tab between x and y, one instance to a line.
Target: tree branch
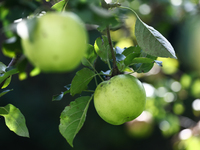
115	70
14	60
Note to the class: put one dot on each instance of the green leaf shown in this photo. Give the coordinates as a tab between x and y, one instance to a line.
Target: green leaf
7	82
9	71
128	60
151	41
2	68
90	58
34	72
121	66
81	80
12	46
102	48
60	6
73	117
4	92
58	97
142	67
142	60
119	55
131	49
14	119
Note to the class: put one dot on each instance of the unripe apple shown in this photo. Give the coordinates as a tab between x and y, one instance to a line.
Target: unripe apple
120	99
54	42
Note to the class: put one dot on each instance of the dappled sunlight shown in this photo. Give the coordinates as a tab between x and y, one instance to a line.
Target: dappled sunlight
22	29
196	104
141	127
170	65
176	86
169	97
176	2
145	9
150	90
15	120
185	134
124	42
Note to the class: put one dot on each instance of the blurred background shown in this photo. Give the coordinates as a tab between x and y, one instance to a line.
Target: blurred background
171	118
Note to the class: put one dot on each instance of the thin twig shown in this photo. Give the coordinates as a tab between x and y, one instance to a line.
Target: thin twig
115	70
14	61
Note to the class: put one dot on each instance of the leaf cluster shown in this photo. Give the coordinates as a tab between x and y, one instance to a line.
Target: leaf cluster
139	58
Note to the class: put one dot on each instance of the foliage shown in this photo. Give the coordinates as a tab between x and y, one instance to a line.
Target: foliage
140	57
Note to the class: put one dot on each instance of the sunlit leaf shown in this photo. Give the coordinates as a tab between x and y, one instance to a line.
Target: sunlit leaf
151	41
90	58
35	72
2	67
4	92
60	6
12	46
102	48
73	117
14	119
9	71
81	80
7	82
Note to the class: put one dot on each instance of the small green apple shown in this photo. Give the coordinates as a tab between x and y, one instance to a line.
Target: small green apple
120	99
54	42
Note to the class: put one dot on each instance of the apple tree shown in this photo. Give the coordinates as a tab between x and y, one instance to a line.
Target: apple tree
53	38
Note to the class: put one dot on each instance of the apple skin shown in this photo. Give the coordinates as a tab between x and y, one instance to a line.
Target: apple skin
57	42
120	99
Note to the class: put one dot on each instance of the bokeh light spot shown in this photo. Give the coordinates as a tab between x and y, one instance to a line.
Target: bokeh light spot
176	86
149	89
145	9
185	134
196	104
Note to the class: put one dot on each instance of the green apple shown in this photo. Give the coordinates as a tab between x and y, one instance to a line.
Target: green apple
54	42
120	99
